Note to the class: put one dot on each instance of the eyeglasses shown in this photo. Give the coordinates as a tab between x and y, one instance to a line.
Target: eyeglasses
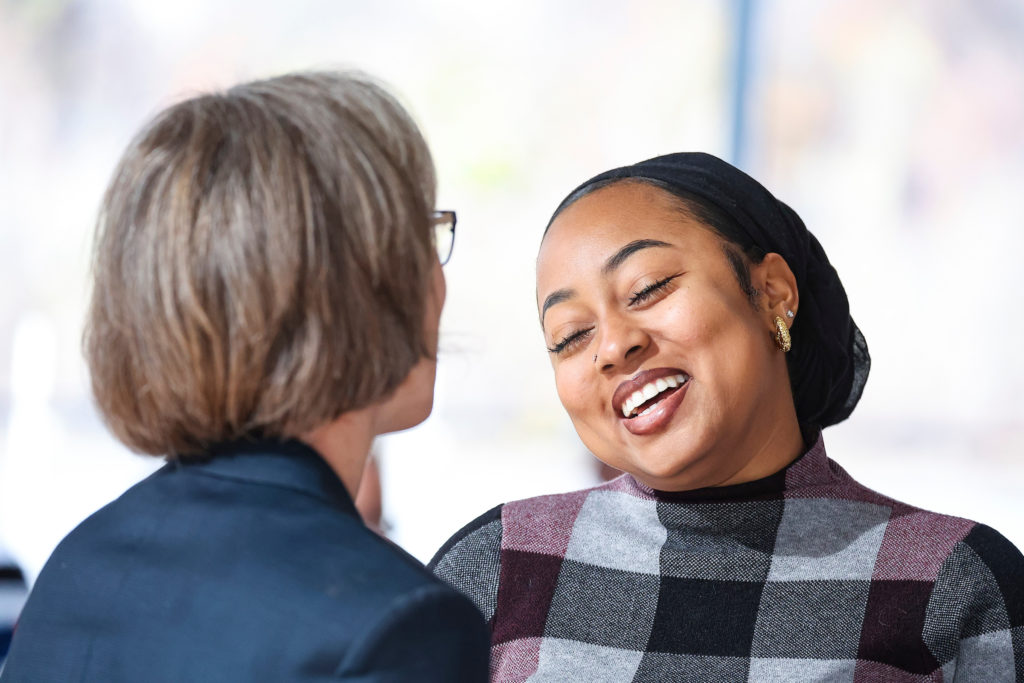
444	233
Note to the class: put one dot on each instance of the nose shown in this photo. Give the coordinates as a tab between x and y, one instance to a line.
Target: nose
620	342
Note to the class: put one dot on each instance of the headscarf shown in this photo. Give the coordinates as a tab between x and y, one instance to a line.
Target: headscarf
829	360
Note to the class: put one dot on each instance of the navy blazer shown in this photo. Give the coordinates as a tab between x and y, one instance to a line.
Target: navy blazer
251	566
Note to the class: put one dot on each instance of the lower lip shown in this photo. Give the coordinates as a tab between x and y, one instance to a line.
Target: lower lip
658	418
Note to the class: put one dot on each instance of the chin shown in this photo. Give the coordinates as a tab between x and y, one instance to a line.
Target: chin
677	466
412	402
669	476
408	413
413	409
417	415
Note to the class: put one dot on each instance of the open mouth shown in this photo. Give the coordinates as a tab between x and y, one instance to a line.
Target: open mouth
646	398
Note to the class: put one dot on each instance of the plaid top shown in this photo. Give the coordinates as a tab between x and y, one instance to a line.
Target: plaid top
802	576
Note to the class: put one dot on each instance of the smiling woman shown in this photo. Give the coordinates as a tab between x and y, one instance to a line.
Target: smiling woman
666	306
700	342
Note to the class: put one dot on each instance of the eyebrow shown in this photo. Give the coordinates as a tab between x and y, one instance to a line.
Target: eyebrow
616	260
622	254
556	297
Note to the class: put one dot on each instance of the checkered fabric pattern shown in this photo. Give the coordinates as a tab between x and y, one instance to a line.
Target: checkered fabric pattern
802	576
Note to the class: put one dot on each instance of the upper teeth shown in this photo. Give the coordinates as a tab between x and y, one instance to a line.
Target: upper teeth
649	391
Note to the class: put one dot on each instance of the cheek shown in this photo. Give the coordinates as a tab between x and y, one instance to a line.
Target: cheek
695	322
719	341
438	295
737	364
575	390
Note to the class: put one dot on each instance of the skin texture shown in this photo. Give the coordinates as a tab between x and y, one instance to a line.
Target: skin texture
368	499
737	421
345	442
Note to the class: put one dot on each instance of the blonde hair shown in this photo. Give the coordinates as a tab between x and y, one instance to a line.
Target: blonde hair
261	264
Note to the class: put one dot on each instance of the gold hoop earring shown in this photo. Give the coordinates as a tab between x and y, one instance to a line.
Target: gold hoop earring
782	338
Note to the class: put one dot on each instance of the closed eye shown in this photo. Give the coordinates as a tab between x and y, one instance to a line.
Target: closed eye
650	291
570	341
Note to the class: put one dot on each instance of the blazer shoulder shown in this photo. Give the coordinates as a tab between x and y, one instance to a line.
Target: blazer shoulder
430	634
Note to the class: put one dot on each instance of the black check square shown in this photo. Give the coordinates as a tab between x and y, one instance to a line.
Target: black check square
1002	559
810	619
705	617
522	612
602	606
893	624
729	541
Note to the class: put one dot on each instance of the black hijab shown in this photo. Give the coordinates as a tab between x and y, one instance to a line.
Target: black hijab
829	361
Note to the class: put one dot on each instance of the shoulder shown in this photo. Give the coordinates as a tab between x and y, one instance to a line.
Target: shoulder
428	634
968	568
908	543
1003	559
297	551
514	524
470	560
974	620
140	569
484	531
983	573
521	532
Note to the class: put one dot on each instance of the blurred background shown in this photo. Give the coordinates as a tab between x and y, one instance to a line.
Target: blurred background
895	129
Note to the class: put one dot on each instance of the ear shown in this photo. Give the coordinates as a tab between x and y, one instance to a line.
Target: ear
777	286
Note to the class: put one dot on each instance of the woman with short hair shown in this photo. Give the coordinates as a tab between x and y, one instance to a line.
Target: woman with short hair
266	298
700	341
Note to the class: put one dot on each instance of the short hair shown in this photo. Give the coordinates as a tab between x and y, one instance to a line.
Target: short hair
261	264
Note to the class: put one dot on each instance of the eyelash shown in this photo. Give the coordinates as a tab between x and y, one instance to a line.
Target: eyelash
649	291
569	341
574	338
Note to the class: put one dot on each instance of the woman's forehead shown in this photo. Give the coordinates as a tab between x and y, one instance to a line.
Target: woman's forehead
619	206
598	226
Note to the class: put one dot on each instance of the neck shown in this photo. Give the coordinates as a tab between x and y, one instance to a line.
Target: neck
773	439
780	445
344	444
